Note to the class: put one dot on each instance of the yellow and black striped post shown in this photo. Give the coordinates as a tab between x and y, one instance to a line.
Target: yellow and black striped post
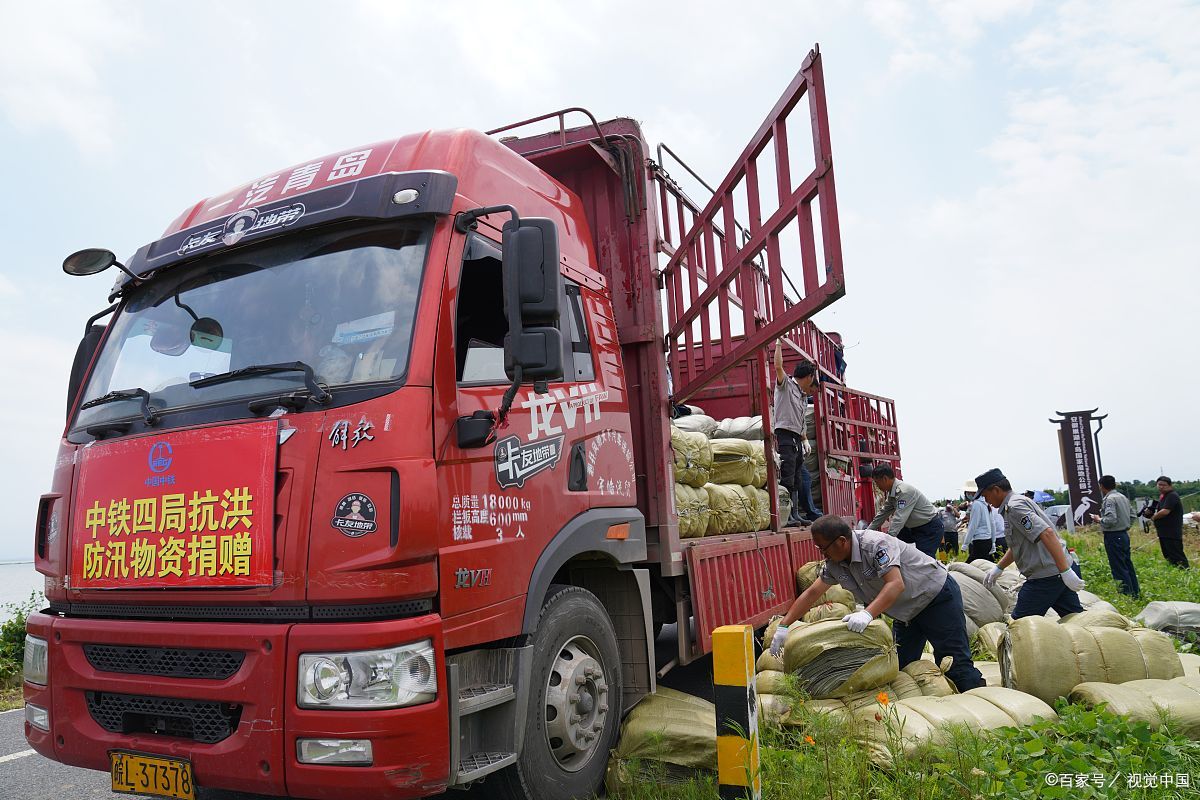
737	713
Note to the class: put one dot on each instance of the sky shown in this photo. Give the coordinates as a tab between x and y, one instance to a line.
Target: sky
1017	181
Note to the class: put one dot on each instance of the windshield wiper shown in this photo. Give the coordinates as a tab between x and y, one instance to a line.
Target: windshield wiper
310	380
148	413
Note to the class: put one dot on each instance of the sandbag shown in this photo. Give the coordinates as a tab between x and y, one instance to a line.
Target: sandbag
696	423
1025	709
978	602
785	504
990	670
748	428
730	510
1090	601
989	637
972	628
669	728
1191	664
1005	596
692	507
807	575
904	686
772	681
733	462
832	662
930	678
1161	615
773	709
1147	701
763	504
760	464
1098	618
767	662
693	457
1048	660
824	611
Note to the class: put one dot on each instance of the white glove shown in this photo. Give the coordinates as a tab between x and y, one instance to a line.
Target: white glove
777	640
858	621
805	447
1073	581
989	580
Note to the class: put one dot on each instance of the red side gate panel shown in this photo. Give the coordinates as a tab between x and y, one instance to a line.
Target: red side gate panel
743	581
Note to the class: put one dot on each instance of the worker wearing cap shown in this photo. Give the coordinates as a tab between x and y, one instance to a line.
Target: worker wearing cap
1051	580
890	577
914	519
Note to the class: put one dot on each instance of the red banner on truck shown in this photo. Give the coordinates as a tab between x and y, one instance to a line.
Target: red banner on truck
193	509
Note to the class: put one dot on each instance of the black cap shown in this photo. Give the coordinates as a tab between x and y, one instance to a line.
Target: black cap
988	479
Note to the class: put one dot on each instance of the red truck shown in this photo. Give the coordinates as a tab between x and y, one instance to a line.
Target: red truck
366	484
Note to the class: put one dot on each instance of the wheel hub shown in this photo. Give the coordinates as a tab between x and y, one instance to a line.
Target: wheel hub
577	703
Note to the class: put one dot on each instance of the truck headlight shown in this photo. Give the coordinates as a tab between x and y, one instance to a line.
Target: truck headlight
391	678
35	660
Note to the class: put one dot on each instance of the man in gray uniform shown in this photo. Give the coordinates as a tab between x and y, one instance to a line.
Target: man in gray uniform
1051	580
788	418
1114	518
914	519
892	577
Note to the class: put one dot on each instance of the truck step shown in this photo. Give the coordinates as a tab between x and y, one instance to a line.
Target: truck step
477	765
477	698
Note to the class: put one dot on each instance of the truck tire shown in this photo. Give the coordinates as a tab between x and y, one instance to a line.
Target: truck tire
574	701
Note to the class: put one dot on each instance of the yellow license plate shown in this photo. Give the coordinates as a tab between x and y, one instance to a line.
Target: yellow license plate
141	774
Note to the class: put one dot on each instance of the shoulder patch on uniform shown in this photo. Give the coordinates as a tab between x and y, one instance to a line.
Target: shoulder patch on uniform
1027	522
901	503
882	558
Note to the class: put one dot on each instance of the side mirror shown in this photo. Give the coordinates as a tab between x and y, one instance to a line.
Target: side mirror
531	256
532	292
83	357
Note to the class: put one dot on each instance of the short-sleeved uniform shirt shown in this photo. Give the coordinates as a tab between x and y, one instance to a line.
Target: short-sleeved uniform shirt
790	407
871	555
1024	522
1170	526
907	507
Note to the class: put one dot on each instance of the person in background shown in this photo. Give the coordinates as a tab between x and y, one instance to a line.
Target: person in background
1168	523
1114	518
839	358
914	519
890	577
949	517
1051	580
788	417
985	529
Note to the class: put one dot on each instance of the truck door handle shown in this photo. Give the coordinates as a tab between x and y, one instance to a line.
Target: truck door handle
577	475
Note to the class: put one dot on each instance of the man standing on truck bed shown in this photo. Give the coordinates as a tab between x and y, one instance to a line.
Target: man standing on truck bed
914	519
791	405
892	577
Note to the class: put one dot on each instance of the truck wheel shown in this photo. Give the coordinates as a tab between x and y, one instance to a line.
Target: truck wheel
574	701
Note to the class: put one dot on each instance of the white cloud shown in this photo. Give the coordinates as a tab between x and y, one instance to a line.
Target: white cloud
52	68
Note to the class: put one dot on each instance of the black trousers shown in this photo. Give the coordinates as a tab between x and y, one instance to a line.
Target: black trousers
927	537
1172	550
982	548
941	623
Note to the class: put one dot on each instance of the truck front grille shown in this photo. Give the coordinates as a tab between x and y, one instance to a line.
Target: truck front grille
202	721
169	662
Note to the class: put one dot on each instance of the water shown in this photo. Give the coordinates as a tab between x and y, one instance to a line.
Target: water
16	582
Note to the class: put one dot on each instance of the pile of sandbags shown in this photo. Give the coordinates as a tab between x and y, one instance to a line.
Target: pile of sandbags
732	508
1003	591
835	594
749	428
693	457
912	722
692	507
930	678
1048	660
668	735
1148	701
830	661
1172	617
698	423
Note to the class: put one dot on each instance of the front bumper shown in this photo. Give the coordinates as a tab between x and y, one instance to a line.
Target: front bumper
257	703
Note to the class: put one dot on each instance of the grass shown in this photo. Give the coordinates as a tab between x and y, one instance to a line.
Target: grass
12	650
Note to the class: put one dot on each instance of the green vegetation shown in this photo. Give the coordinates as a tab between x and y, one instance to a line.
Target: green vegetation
12	650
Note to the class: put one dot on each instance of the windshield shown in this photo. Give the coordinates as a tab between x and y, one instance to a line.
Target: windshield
341	302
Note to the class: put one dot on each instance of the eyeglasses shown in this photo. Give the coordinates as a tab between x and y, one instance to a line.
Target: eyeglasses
826	547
